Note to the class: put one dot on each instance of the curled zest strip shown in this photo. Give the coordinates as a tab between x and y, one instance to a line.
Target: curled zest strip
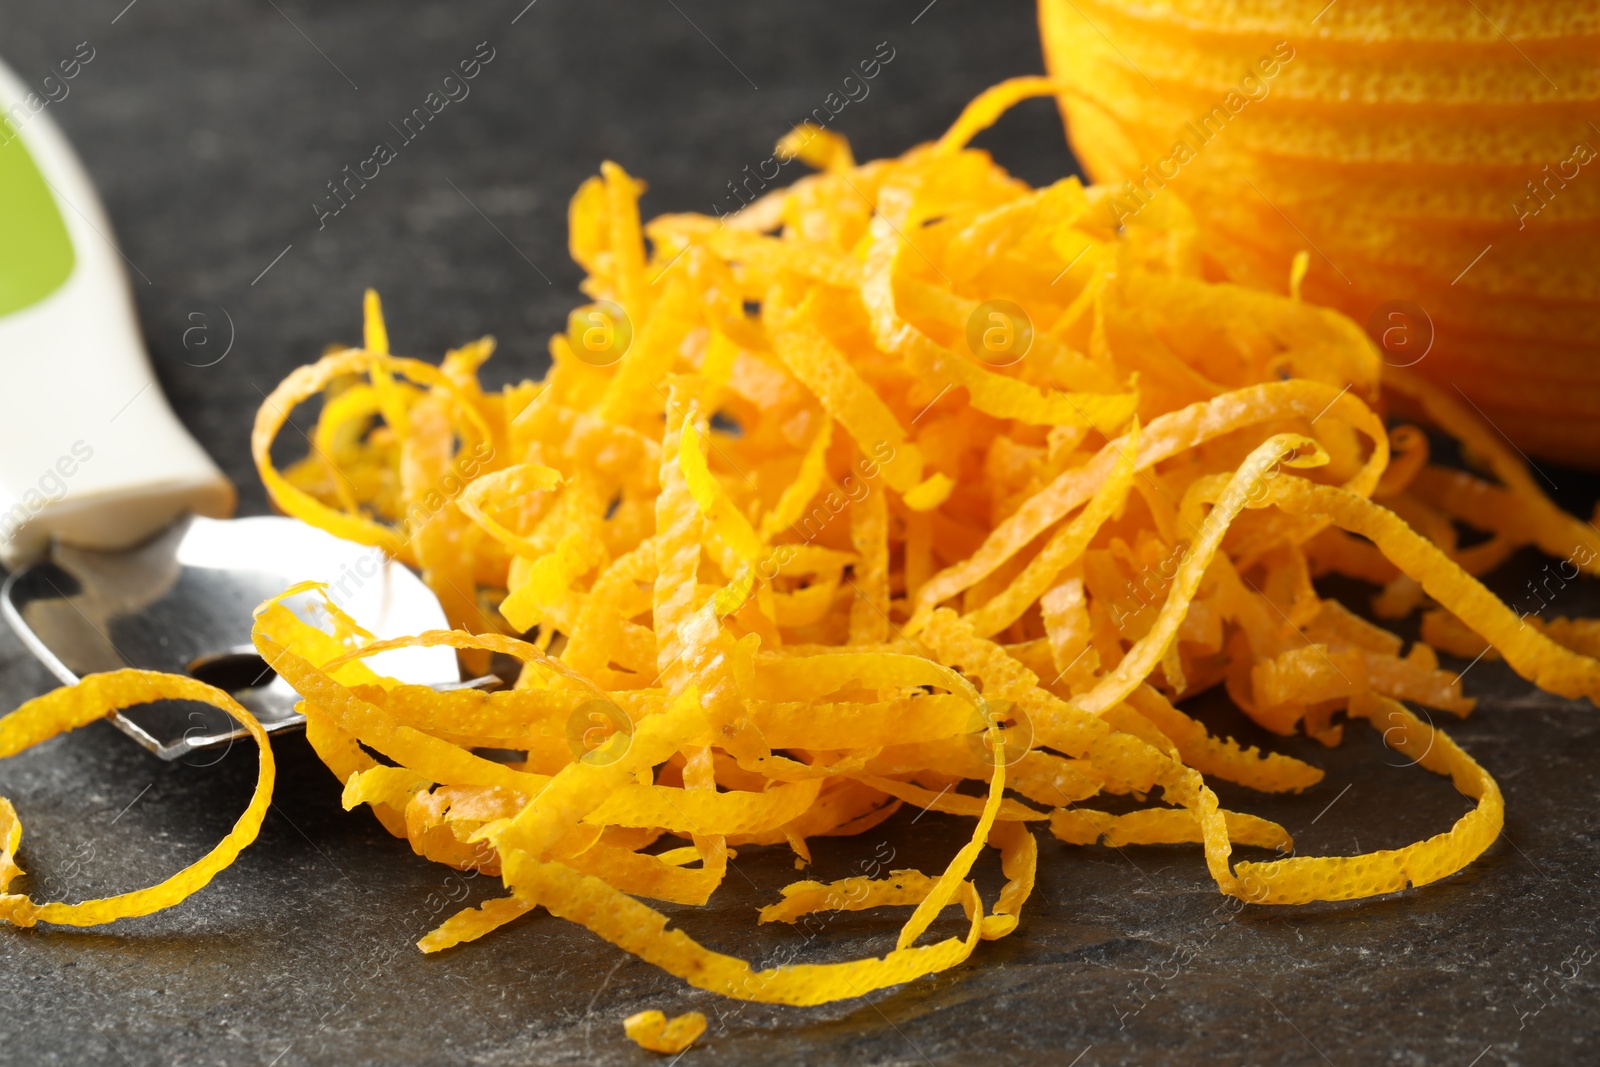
306	382
95	697
1529	652
984	111
1554	530
1301	879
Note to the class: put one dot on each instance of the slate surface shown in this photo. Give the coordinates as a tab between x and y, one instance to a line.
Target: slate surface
211	129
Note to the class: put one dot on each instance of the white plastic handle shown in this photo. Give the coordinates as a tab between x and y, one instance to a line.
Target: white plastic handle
90	453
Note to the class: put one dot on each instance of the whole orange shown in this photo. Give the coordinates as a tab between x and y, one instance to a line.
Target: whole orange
1439	161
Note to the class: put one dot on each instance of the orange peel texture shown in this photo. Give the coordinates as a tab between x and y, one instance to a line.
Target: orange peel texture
1434	160
95	697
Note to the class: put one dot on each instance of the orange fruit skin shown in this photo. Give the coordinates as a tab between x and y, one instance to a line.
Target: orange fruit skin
1437	160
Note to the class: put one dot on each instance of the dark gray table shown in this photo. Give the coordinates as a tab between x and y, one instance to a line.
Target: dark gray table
212	128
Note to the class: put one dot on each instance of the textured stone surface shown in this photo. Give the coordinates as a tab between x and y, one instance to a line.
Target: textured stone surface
211	129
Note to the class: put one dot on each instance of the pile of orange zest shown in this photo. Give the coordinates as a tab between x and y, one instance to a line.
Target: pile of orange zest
906	484
96	697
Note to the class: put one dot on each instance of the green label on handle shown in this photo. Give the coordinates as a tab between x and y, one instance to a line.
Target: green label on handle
35	251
